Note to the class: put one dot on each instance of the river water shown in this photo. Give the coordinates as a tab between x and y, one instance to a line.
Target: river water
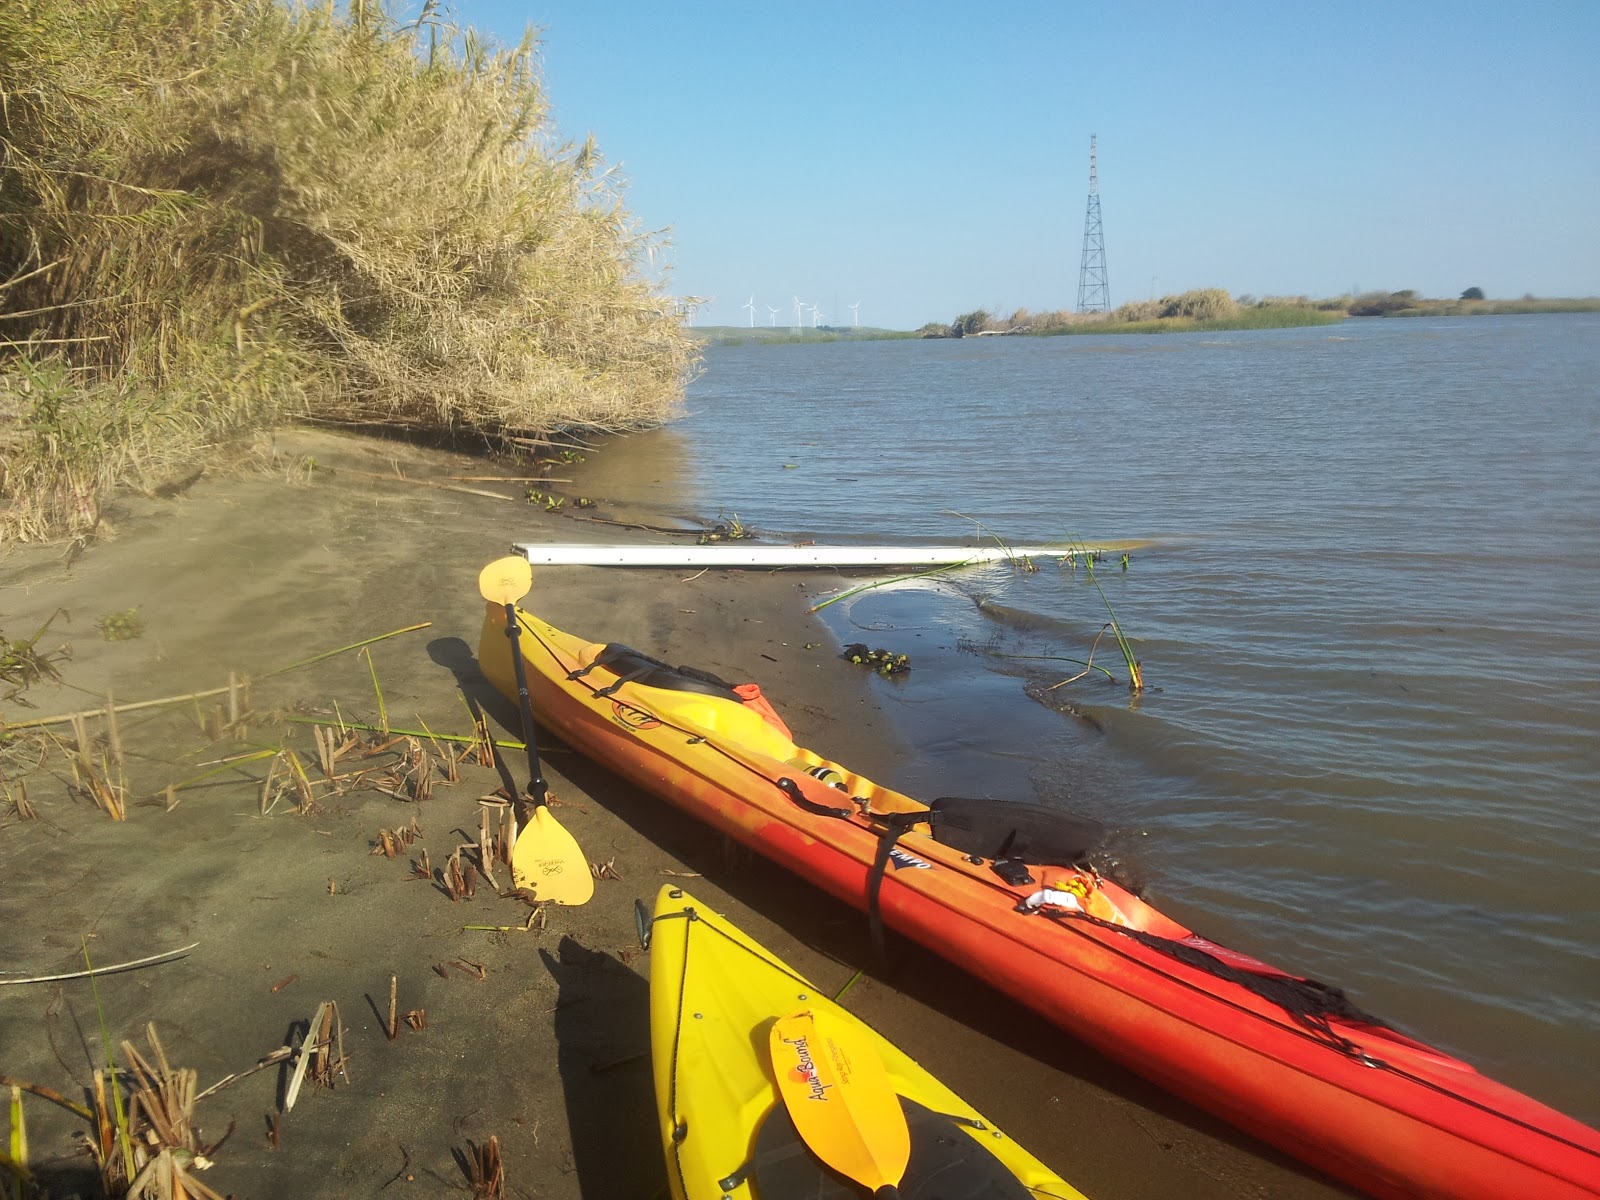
1367	611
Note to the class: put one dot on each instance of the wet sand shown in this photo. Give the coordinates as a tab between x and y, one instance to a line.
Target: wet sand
548	1052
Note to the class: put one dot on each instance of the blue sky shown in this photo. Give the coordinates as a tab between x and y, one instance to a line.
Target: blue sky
930	158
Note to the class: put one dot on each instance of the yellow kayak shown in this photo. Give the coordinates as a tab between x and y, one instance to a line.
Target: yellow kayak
715	996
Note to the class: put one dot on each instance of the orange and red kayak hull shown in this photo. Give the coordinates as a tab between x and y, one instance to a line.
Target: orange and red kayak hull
1366	1104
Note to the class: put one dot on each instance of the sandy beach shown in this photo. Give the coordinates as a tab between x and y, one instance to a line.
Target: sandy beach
548	1051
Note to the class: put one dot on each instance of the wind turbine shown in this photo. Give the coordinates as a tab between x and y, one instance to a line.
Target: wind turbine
798	305
774	316
816	315
751	305
855	315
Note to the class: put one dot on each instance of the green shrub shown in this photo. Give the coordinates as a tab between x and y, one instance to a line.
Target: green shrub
1205	304
1378	304
970	323
1138	310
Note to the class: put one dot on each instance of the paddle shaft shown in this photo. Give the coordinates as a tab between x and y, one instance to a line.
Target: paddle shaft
537	788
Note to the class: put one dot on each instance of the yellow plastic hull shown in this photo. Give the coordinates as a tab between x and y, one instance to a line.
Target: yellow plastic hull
714	995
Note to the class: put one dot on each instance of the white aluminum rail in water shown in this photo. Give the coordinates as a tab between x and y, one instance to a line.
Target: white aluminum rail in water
740	554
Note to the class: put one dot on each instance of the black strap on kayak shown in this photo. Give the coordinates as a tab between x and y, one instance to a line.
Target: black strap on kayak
1012	833
633	666
895	824
1310	1003
632	677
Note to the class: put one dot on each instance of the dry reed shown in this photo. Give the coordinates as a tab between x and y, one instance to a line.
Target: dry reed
217	217
152	1147
484	1169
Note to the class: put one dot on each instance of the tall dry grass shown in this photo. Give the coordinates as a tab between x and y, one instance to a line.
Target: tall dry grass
220	214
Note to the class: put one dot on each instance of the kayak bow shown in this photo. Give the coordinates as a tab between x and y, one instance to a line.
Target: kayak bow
716	999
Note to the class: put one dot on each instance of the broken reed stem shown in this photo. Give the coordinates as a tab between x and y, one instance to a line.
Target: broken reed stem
1088	666
113	734
20	804
485	1170
95	784
447	487
300	780
394	995
1056	658
279	1055
508	834
93	971
195	697
483	743
487	849
80	734
867	587
323	1047
451	774
49	1094
422	781
324	751
231	763
469	741
326	654
269	798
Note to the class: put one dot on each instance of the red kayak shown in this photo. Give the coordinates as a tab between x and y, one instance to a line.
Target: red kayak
1004	890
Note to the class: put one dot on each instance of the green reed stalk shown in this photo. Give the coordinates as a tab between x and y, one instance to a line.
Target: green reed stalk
383	711
16	1163
124	1137
460	738
1135	675
316	658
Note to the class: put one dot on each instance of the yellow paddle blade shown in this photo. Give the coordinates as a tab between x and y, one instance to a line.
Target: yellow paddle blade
840	1097
546	858
505	580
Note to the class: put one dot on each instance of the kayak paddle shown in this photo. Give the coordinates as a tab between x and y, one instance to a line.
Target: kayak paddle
545	857
841	1100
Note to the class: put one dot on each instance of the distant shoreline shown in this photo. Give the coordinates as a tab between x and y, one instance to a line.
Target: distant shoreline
1267	314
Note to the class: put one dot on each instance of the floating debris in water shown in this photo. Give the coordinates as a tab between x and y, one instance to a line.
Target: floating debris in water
121	626
731	530
884	662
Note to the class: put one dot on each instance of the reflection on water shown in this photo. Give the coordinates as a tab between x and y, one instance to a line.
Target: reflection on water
645	473
1371	620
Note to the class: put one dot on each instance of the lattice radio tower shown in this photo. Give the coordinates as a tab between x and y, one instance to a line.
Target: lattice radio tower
1094	295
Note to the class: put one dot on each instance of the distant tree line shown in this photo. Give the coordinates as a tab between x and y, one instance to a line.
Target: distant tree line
1215	308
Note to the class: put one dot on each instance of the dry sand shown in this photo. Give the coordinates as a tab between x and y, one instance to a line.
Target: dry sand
549	1051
